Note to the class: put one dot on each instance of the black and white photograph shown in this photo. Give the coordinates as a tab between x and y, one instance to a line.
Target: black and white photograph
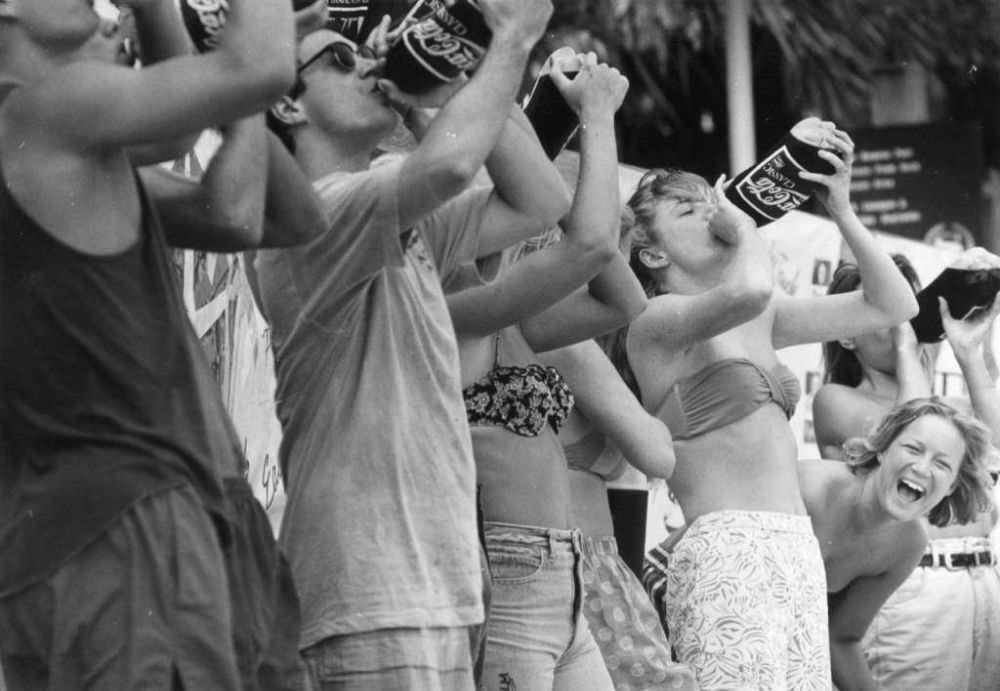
499	345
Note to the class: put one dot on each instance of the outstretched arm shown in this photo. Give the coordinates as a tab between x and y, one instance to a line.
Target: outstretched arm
672	323
614	296
539	280
159	35
968	338
461	136
530	195
885	298
92	106
911	377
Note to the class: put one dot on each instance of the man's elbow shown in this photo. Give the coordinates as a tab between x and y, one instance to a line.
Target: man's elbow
447	178
236	230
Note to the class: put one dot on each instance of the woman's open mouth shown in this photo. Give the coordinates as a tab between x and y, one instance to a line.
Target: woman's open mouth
910	491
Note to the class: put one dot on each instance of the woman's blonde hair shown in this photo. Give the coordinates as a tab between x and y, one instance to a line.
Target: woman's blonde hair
655	186
972	493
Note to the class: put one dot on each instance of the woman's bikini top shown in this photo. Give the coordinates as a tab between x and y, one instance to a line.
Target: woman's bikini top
724	392
521	398
588	454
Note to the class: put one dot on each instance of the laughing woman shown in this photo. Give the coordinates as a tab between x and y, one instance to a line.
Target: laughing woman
938	604
925	459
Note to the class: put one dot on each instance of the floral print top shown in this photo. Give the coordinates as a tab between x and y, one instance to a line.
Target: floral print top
521	398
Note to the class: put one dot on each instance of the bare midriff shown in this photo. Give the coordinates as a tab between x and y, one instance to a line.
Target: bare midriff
749	465
523	479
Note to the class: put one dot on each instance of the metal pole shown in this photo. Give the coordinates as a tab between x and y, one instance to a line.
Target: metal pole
739	86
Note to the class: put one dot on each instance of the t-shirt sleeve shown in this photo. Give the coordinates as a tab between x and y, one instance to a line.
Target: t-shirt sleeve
452	231
475	272
363	233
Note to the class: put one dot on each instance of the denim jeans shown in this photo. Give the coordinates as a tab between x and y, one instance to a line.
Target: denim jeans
537	638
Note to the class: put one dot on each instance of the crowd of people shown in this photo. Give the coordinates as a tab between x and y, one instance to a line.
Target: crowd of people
463	359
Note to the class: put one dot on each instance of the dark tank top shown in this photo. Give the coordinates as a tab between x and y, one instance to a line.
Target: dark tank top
106	396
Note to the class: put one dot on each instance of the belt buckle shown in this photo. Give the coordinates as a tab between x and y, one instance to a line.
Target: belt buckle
939	558
949	564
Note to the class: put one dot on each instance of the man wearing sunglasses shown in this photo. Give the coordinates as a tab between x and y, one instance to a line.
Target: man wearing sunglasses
380	524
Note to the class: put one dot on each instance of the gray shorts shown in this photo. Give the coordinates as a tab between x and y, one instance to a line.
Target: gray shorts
147	605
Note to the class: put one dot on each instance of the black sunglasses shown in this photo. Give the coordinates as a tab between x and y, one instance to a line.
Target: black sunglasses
345	56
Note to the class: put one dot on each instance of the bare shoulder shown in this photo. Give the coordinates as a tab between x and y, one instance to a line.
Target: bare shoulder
819	479
832	395
47	173
912	538
35	155
898	551
53	98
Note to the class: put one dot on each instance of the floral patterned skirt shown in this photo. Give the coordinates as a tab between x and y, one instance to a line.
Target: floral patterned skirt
746	602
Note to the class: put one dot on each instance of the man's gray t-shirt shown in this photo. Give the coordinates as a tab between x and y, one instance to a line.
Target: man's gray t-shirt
380	524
